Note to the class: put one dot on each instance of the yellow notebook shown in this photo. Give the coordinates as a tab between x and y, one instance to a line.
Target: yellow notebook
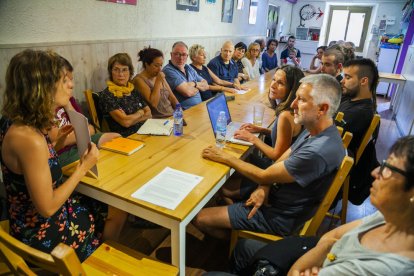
123	145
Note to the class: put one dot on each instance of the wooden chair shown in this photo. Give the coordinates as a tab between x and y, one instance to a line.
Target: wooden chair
312	225
360	150
346	139
339	117
92	101
109	259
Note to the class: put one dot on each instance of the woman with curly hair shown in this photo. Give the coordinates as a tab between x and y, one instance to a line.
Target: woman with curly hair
43	208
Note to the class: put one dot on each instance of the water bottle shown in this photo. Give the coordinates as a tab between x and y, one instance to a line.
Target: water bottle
178	120
221	127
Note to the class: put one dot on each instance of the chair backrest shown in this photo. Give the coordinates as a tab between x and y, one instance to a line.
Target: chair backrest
62	260
367	137
339	117
312	225
346	139
92	108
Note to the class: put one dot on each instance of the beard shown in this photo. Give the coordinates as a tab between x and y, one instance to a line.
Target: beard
350	92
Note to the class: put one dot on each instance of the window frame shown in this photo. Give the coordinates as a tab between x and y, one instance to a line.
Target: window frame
352	9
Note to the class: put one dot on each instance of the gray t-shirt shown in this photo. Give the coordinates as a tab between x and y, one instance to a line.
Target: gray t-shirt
313	162
354	259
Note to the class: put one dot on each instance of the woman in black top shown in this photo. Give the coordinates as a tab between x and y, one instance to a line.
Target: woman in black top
198	58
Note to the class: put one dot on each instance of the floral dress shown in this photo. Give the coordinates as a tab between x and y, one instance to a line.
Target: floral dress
78	223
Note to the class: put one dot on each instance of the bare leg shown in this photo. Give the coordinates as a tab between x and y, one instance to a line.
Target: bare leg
231	189
214	221
114	223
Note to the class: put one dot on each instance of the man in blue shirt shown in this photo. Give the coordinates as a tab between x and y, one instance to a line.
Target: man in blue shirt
290	53
184	81
224	67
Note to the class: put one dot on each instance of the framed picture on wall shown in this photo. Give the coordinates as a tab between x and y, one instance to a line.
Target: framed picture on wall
227	12
253	11
188	5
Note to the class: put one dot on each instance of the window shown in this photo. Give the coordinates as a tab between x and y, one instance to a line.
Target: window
349	24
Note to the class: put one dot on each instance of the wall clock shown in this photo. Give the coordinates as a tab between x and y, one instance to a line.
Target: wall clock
307	12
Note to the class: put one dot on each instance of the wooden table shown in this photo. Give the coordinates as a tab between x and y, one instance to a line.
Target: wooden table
396	96
120	176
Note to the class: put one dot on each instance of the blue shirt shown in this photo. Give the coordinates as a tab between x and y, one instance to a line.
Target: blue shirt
175	77
227	72
268	62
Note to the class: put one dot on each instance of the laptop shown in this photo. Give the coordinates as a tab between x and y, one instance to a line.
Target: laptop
214	106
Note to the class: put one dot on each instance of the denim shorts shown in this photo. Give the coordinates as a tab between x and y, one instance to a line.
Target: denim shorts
238	213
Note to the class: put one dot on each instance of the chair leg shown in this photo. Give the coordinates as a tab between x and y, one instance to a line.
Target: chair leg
233	240
345	192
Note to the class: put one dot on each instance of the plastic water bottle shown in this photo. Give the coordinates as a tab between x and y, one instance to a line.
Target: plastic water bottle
221	128
178	120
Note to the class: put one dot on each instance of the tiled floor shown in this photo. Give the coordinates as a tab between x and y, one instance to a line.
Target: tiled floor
206	253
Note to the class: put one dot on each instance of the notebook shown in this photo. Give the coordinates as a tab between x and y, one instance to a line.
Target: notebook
214	106
156	127
123	145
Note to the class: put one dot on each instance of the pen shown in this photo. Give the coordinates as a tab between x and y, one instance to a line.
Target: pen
166	122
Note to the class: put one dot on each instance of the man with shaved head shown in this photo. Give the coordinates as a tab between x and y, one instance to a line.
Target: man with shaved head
223	65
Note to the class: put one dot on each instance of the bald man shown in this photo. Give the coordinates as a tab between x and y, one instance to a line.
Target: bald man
224	67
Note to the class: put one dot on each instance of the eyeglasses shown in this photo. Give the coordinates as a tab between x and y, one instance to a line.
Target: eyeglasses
255	50
386	170
180	55
120	70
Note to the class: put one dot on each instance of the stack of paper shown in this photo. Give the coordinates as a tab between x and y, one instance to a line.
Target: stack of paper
168	188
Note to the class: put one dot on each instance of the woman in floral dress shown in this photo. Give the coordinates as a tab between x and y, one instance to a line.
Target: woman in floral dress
43	209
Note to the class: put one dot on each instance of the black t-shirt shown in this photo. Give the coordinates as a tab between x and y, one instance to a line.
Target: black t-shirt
357	116
205	95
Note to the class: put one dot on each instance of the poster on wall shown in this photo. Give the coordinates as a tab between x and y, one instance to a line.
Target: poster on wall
253	11
129	2
227	12
188	5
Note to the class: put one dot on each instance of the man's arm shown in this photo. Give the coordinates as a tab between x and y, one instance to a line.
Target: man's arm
275	173
187	89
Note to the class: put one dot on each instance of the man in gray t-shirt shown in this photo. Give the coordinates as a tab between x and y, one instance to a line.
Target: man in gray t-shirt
296	183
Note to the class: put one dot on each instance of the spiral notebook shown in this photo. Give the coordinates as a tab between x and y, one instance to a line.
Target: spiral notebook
156	127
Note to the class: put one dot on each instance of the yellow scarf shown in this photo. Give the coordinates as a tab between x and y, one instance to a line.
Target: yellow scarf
119	91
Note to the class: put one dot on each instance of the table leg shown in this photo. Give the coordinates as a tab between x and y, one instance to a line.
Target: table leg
397	99
178	247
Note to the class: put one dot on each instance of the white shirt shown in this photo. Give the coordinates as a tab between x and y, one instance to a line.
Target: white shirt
252	70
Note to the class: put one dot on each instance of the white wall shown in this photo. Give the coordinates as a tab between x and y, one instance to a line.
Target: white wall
88	32
43	21
313	22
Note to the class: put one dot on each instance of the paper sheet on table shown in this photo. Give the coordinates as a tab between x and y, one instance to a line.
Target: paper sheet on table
168	188
241	91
